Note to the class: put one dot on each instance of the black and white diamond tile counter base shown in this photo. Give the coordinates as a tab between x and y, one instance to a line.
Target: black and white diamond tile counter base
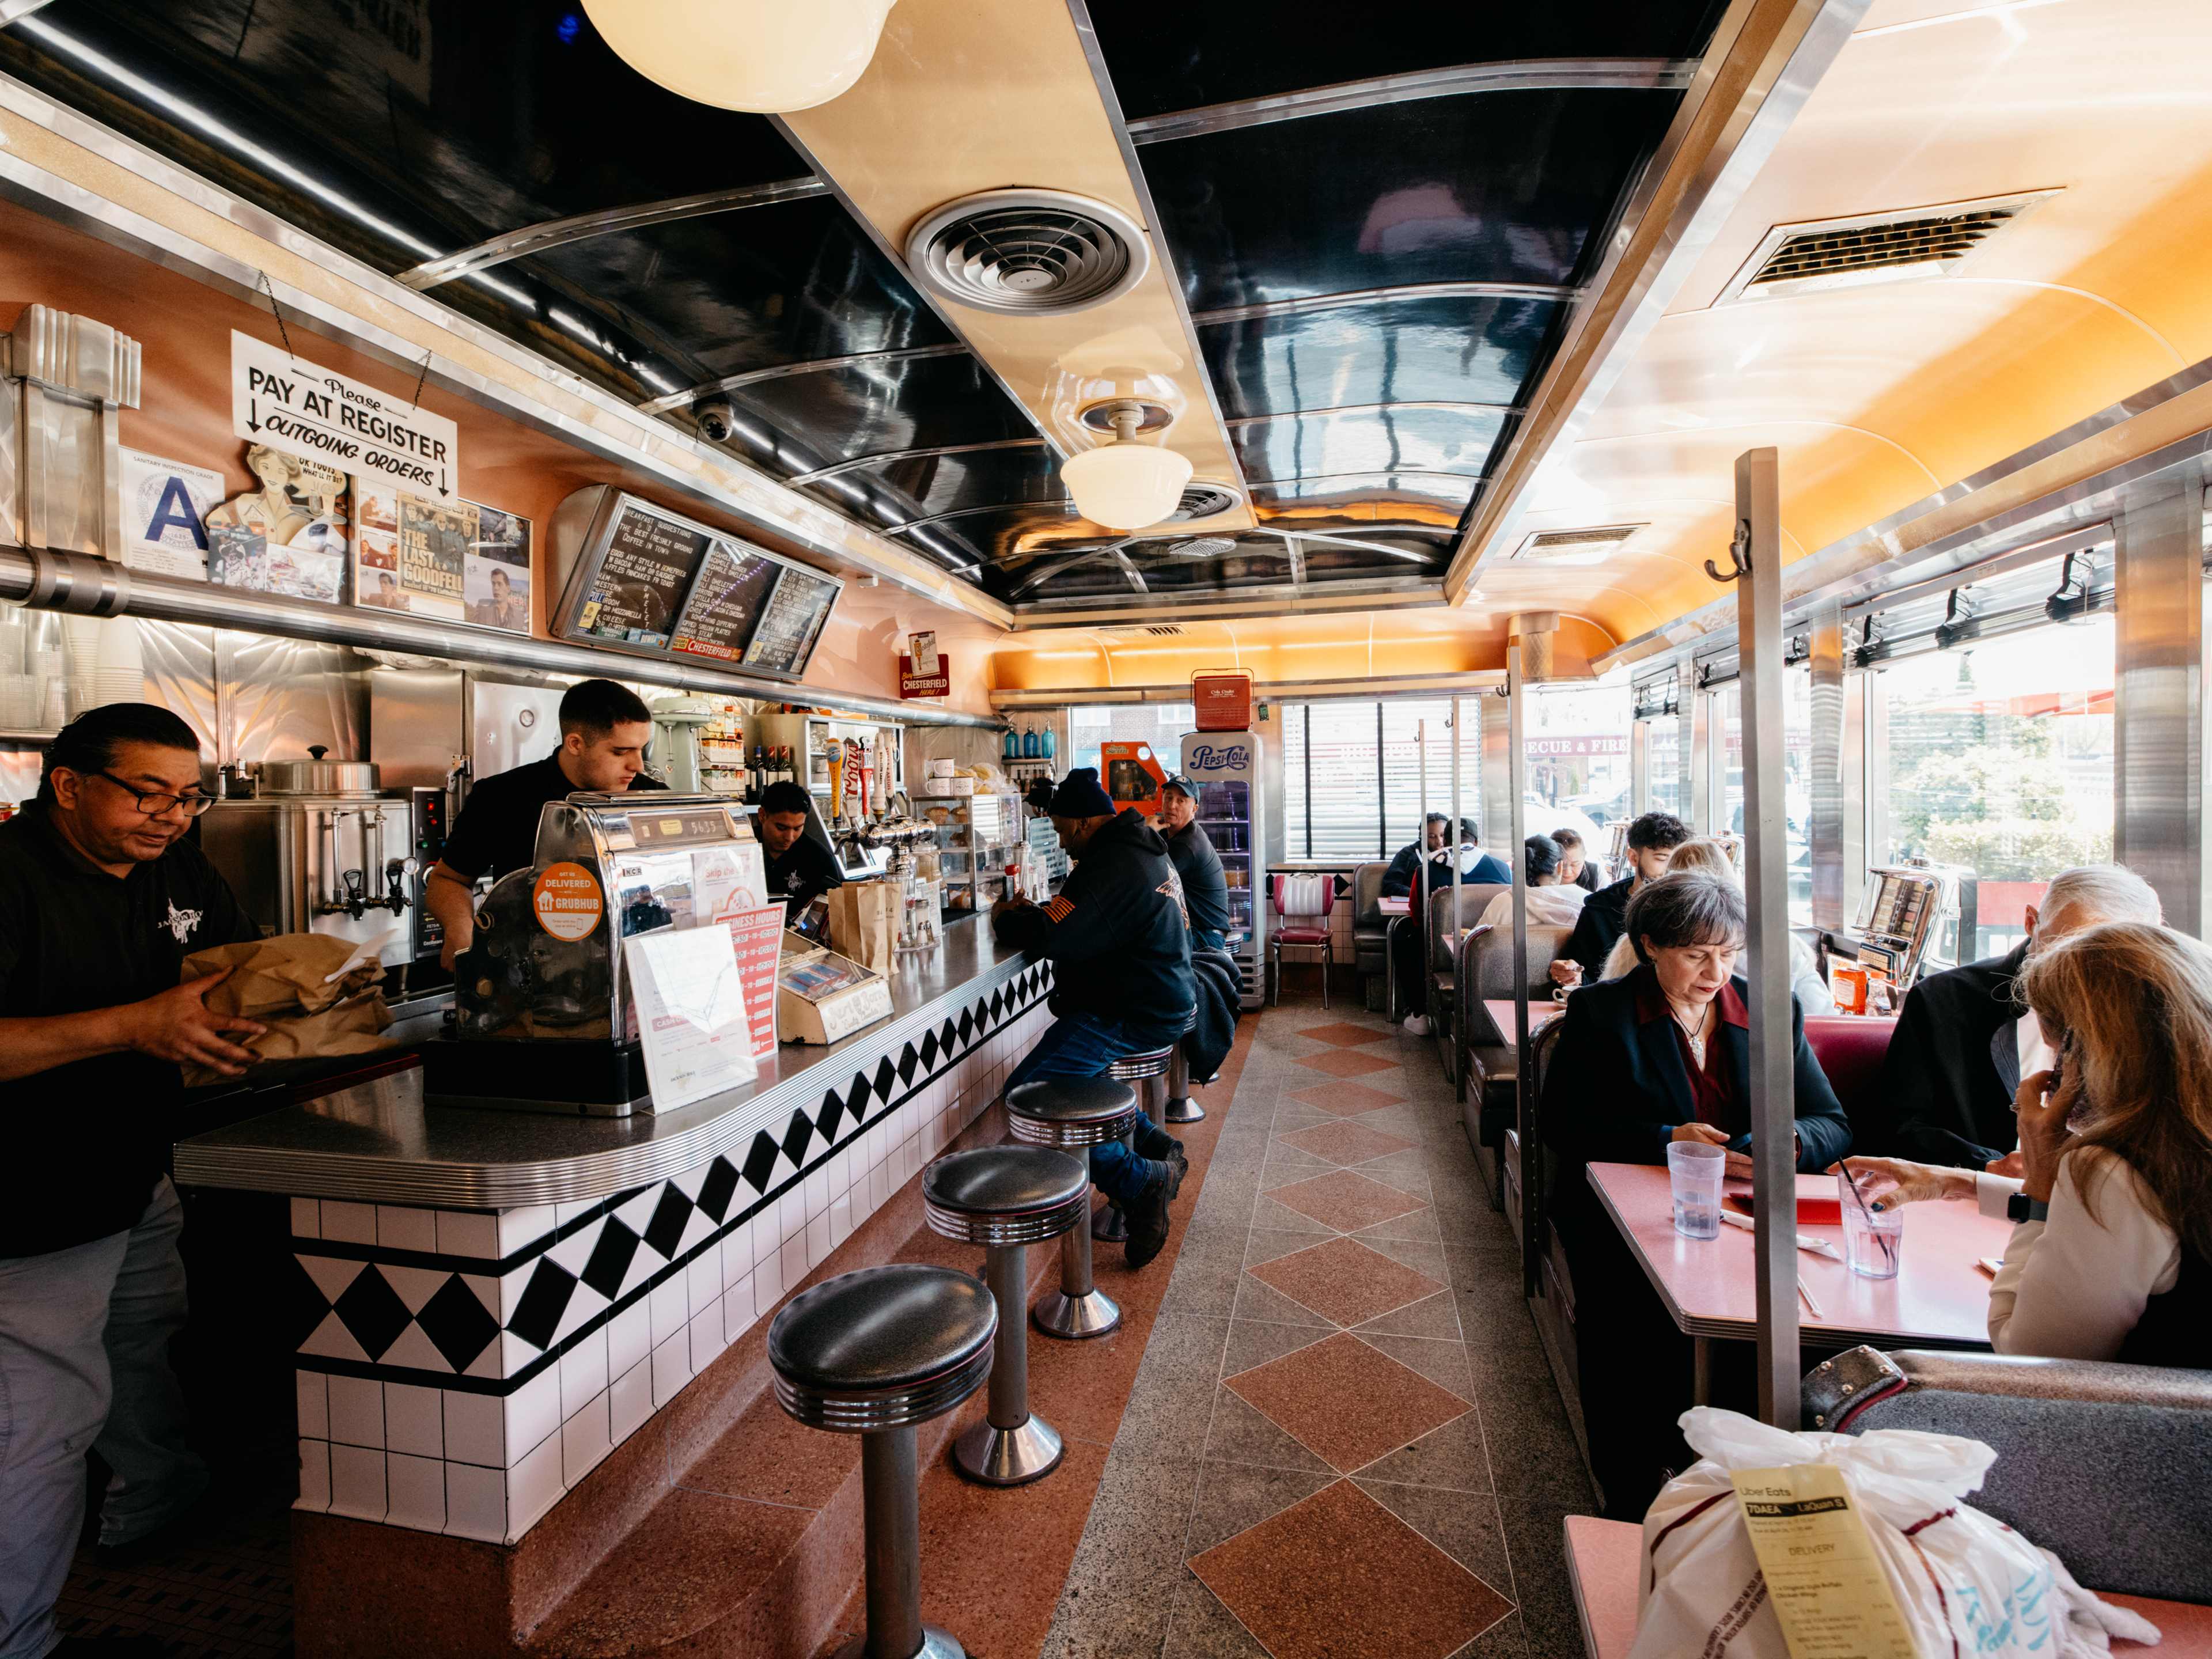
460	1369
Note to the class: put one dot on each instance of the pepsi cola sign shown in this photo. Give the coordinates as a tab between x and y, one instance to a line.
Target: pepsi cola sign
1228	758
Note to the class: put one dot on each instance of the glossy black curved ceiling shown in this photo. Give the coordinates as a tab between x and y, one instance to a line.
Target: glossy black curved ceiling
1382	231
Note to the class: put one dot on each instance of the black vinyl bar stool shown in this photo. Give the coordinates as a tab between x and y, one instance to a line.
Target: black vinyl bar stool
1073	1114
1006	1199
1148	1070
874	1353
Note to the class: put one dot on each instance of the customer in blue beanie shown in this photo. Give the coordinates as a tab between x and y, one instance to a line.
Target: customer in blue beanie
1119	943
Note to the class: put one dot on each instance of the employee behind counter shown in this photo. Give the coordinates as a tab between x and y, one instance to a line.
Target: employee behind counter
605	729
799	868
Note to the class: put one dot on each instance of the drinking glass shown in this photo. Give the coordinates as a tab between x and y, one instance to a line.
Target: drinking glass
1873	1239
1693	1171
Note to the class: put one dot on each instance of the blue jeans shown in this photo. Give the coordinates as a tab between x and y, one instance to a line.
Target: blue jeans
1207	939
1084	1045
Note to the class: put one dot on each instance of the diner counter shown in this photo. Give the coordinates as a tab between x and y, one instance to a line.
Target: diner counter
379	1142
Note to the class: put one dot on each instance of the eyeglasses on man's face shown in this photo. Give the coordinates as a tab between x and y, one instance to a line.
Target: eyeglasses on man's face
153	803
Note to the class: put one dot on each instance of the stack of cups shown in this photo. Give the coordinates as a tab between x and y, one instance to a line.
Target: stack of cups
119	670
81	635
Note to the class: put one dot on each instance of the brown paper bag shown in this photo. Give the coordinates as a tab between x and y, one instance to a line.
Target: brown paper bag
289	973
864	922
286	983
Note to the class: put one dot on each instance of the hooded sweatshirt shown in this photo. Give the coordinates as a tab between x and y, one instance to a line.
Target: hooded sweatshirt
1116	935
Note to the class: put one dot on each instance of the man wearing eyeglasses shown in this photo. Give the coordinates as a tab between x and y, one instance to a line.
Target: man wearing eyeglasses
101	899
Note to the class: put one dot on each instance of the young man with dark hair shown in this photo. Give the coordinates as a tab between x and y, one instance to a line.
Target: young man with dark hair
605	729
1652	839
799	868
1120	948
101	899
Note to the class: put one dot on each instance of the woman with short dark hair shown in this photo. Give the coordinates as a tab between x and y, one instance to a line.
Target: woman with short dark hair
1660	1055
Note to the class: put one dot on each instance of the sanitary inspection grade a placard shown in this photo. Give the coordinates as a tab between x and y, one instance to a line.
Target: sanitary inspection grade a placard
291	405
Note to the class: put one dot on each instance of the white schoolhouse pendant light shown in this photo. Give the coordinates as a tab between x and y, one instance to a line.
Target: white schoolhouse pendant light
766	56
1126	484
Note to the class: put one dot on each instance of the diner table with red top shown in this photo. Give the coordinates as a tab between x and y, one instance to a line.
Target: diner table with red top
1939	1299
1541	1012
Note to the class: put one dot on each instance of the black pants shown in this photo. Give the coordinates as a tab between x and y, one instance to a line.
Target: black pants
1634	1364
1412	967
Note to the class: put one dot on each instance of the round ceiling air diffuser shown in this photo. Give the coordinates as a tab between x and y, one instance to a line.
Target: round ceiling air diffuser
1029	252
1201	499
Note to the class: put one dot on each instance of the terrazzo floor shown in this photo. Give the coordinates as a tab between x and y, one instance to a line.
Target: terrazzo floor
1343	1440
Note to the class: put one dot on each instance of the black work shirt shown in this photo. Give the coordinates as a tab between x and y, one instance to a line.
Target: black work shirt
85	1142
497	831
801	874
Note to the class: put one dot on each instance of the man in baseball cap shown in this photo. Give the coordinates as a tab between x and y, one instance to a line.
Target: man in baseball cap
1190	850
1120	949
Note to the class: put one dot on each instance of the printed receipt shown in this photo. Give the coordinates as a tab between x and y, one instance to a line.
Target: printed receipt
1829	1589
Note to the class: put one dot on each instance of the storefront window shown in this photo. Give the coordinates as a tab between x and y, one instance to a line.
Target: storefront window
1662	757
2000	761
1161	724
1797	778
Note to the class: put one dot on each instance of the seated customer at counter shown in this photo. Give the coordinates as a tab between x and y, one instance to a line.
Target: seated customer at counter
1964	1040
605	729
1190	850
1120	949
101	899
1661	1056
800	869
2110	1255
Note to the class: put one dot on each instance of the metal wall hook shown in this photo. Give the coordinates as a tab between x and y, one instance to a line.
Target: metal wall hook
1739	555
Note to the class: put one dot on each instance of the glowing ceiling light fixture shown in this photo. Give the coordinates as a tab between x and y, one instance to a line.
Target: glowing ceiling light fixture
1126	483
766	56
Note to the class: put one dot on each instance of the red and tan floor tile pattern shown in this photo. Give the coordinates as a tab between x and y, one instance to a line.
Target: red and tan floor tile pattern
1343	1441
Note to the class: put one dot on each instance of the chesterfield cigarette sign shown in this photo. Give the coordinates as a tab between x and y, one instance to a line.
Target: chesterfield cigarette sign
291	405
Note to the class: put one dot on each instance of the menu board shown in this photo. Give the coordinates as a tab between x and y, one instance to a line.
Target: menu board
793	616
726	601
637	592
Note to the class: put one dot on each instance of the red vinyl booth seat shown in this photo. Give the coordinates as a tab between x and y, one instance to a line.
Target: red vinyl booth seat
1850	1048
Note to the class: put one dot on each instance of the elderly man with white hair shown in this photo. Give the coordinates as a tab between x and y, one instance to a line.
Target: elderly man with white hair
1964	1039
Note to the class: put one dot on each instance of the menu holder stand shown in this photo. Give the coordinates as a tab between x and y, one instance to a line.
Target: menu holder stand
821	996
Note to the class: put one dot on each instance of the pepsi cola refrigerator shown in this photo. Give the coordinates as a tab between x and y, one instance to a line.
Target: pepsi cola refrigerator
1225	766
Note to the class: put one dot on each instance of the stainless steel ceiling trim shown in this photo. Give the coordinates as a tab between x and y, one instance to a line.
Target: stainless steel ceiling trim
798	520
1842	572
1369	408
1052	568
605	222
1129	571
1768	104
897	257
1078	12
1473	679
25	573
970	512
12	9
1360	296
1521	74
884	457
1294	549
691	395
1273	486
1279	599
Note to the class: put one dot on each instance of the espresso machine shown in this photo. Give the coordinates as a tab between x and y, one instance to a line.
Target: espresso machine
543	1019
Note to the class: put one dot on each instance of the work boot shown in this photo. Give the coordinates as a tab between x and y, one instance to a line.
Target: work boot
1148	1211
1182	1163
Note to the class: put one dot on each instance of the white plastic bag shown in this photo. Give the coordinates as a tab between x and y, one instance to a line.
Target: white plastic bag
1965	1584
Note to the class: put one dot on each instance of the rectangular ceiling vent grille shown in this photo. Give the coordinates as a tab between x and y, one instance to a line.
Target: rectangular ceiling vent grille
1148	630
1883	247
1590	546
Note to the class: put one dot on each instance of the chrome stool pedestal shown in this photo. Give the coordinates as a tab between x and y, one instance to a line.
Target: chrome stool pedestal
1182	1109
1006	1199
874	1353
1073	1113
1148	1070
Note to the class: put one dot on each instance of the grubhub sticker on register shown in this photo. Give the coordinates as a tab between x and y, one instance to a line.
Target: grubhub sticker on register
569	900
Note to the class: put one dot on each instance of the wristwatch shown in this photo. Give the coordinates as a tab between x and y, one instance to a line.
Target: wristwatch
2020	1207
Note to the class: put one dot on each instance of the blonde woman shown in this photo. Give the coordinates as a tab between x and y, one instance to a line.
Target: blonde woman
1706	854
270	511
2112	1257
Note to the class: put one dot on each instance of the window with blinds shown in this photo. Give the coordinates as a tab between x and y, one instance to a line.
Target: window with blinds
1354	774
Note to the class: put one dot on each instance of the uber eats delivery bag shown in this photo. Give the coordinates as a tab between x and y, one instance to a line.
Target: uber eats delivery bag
1964	1582
317	998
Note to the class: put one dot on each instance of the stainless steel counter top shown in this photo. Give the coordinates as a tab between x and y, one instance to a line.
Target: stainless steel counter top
380	1143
